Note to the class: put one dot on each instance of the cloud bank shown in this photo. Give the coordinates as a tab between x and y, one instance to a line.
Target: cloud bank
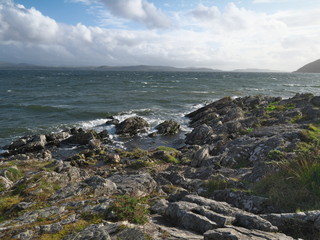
204	37
138	10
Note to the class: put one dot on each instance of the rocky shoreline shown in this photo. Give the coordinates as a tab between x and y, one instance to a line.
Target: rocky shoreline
249	169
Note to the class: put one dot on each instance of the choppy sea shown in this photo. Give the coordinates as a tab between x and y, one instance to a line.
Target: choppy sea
42	101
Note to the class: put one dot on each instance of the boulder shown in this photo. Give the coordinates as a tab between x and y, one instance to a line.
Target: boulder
199	157
112	122
242	218
200	135
235	113
243	200
101	186
170	127
138	185
81	138
132	126
181	213
316	101
5	183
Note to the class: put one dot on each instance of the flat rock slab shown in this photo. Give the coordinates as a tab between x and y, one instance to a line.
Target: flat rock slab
238	233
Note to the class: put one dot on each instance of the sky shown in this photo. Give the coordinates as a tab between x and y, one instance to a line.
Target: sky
266	34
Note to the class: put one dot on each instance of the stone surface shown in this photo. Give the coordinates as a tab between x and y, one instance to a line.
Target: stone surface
237	233
92	232
81	138
169	127
138	185
132	126
200	135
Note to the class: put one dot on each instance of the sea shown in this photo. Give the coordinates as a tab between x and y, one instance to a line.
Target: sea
45	101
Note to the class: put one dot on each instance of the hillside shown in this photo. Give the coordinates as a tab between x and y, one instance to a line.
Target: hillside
313	67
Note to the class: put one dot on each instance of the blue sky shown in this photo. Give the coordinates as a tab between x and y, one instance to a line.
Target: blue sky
269	34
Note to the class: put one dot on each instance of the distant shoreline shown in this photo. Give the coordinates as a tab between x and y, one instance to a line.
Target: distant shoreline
136	68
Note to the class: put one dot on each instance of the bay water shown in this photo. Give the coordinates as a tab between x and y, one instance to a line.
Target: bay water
44	101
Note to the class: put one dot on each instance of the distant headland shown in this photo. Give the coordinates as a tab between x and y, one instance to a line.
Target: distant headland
313	67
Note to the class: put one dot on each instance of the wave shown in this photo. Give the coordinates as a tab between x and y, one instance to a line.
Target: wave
37	107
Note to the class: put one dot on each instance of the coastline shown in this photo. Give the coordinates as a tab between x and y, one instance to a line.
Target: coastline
225	177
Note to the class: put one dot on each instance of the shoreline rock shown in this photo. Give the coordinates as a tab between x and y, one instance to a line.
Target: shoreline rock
202	190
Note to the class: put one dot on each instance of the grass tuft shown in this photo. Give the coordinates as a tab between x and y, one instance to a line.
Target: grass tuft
130	208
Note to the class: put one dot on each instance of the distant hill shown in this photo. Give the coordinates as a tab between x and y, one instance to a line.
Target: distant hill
147	68
255	70
139	68
313	67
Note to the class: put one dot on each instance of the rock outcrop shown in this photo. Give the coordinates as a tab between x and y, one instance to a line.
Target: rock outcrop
132	126
203	190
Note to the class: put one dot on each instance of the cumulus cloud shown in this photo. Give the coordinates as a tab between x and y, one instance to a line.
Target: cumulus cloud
138	10
205	13
206	37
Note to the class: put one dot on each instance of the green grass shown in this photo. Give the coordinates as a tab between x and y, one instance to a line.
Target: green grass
170	155
67	230
167	149
140	163
130	208
14	174
297	183
2	187
276	155
215	183
7	202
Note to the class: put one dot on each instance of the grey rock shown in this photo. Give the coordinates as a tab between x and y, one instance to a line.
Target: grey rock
200	157
181	213
37	143
81	138
95	143
301	222
316	101
104	135
234	114
169	127
159	206
131	234
138	185
238	233
101	186
132	126
26	235
72	190
243	200
92	232
232	127
112	122
5	183
56	138
242	218
51	228
200	135
95	185
17	144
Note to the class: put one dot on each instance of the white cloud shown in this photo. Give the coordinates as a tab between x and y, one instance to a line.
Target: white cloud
26	25
205	13
206	37
138	10
86	2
